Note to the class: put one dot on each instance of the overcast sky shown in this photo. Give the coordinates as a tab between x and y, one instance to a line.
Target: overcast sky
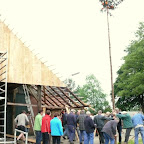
72	34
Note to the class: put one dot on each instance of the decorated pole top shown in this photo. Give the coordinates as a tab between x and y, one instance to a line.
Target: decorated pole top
110	4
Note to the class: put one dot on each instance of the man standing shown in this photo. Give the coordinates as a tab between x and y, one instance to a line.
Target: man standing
127	124
45	128
89	128
56	129
137	121
109	131
80	121
71	123
64	120
37	127
99	120
20	121
119	126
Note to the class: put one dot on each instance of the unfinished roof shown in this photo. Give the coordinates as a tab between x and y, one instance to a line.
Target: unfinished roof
23	66
58	97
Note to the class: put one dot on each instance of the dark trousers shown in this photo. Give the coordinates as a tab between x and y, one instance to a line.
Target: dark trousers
45	138
71	130
128	130
119	128
56	139
38	137
101	137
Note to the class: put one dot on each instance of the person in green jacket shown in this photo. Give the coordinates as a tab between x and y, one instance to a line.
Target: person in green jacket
37	127
127	124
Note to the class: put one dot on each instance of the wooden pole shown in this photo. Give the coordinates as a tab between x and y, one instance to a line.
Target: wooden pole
110	57
39	97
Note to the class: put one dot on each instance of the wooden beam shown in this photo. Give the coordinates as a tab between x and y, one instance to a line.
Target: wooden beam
69	97
55	97
20	104
77	98
61	97
39	97
46	95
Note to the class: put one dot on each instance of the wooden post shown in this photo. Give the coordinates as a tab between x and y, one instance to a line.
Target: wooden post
14	108
39	97
110	57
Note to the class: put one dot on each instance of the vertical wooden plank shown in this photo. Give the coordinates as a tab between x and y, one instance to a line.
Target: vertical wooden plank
39	97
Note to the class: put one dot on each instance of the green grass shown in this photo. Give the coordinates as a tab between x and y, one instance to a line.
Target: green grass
132	142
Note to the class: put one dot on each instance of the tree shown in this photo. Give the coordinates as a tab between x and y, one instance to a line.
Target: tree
92	94
129	85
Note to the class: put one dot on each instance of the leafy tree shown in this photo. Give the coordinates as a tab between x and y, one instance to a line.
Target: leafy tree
129	85
92	94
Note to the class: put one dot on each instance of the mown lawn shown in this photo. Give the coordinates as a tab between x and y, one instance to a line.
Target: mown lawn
132	141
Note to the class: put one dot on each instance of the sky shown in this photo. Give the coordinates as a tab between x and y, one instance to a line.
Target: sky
71	35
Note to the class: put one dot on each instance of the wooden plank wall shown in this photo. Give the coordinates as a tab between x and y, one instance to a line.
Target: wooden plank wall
23	66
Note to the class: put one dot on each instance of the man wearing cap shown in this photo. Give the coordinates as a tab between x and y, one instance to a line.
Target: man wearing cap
127	124
137	121
71	123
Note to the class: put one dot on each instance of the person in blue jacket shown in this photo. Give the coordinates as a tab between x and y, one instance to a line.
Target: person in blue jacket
56	129
138	122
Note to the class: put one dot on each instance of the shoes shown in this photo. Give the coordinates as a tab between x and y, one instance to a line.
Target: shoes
64	137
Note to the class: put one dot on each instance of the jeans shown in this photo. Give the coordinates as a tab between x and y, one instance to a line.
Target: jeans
82	135
38	137
66	132
71	130
137	131
45	138
56	139
128	130
108	138
101	137
119	128
89	138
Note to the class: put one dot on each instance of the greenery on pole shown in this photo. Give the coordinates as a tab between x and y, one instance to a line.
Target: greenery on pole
129	85
110	4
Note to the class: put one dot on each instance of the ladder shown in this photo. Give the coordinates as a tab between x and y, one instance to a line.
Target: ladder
29	107
3	94
3	97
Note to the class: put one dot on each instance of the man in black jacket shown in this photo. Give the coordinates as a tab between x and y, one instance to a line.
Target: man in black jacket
80	121
89	128
71	123
99	120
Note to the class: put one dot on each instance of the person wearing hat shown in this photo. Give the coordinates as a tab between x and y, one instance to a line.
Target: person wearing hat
71	124
127	124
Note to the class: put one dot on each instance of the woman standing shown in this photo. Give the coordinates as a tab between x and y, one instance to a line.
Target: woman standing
56	129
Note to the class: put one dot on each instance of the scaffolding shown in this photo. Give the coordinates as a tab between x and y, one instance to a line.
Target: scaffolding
3	97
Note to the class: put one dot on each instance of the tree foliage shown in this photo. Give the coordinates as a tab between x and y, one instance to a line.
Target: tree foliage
92	94
129	84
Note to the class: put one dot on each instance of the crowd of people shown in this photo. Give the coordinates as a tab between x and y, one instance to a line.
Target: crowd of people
82	125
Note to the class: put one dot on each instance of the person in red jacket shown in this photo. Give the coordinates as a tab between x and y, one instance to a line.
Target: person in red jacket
45	128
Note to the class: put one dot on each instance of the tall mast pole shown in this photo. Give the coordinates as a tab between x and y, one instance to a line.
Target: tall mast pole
110	57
